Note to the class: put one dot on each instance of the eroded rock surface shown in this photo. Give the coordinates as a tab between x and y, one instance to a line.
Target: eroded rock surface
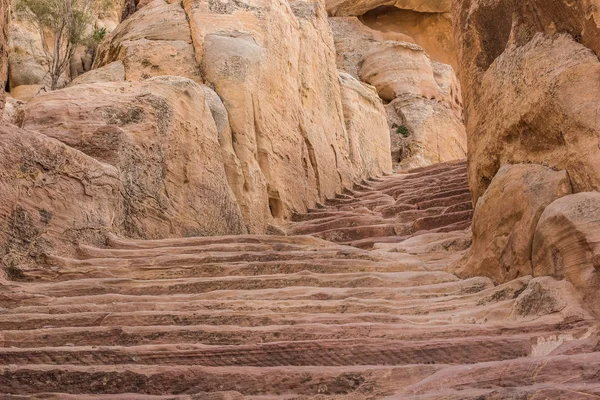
53	196
4	42
30	54
422	96
567	244
426	23
506	218
161	136
529	73
531	87
295	135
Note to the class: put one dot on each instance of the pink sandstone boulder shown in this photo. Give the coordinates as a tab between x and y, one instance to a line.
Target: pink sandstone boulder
506	217
566	244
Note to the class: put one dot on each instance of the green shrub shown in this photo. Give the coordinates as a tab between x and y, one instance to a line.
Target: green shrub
99	34
403	130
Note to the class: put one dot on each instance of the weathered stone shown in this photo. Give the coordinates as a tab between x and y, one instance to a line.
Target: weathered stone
355	8
113	72
12	110
424	107
426	23
28	61
4	43
285	112
566	244
364	114
154	41
53	196
532	88
505	220
161	137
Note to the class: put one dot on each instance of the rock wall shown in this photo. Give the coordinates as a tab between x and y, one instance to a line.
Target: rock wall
29	56
272	64
199	118
531	81
531	88
422	96
52	197
4	31
161	137
426	23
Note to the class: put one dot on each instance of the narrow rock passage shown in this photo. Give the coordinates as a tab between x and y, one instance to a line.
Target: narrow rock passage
354	304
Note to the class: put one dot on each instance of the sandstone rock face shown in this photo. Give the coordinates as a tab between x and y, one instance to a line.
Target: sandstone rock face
531	87
29	56
567	244
4	42
28	62
350	7
430	30
113	72
426	23
289	143
12	110
154	41
52	196
506	217
424	99
364	114
161	137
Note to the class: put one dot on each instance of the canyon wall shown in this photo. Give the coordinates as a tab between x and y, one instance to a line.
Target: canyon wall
197	118
4	30
422	96
272	65
426	23
530	76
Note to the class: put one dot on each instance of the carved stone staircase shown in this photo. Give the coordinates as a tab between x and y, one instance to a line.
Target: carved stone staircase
301	316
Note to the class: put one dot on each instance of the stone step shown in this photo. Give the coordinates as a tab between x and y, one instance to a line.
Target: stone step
298	353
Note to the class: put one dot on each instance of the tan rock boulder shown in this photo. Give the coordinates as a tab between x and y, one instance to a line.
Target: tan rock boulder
28	62
363	114
505	220
154	41
354	8
113	72
530	74
52	197
379	69
4	41
566	244
161	137
424	107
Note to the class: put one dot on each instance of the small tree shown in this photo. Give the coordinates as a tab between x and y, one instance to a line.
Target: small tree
67	22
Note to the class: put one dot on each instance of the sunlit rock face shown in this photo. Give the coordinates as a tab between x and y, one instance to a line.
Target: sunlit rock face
531	87
426	23
531	81
288	140
422	96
